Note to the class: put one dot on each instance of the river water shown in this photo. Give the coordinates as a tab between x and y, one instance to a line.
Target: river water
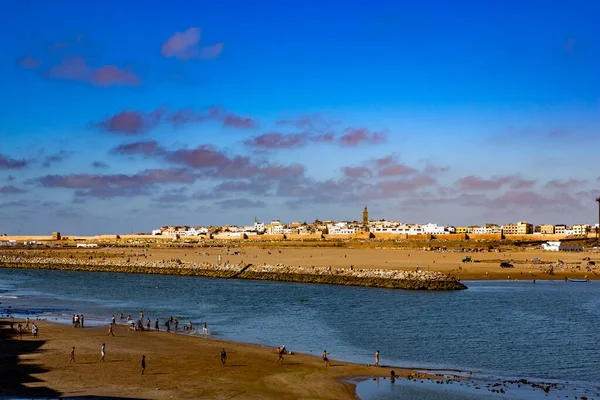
546	331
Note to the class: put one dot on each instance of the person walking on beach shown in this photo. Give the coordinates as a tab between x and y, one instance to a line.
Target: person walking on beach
27	323
223	356
81	320
102	352
325	358
110	330
377	358
143	364
73	319
148	322
281	351
156	325
72	360
20	331
12	322
34	330
112	320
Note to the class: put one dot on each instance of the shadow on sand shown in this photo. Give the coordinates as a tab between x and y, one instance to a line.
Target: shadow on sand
14	376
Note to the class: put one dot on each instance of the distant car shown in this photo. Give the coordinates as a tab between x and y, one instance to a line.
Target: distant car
505	264
535	259
466	259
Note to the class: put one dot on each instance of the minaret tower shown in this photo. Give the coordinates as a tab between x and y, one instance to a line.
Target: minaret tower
366	217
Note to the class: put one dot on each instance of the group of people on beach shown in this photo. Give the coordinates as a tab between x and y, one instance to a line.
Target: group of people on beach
78	321
170	322
20	328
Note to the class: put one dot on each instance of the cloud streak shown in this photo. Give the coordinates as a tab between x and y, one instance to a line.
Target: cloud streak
131	123
186	46
11	163
77	69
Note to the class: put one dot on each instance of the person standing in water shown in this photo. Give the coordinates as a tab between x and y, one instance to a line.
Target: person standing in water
377	358
205	329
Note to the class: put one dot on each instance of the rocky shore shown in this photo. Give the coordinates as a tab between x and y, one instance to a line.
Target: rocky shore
410	280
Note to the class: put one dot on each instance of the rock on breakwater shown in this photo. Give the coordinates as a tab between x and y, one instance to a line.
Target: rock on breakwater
410	280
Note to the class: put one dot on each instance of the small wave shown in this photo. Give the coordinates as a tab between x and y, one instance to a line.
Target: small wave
8	297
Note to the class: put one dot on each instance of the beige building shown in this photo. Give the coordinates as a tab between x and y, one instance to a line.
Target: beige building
524	228
581	229
510	229
560	229
547	229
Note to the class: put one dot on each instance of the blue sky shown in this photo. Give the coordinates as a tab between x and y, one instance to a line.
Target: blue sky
124	117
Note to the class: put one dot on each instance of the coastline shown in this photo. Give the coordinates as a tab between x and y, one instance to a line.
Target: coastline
179	366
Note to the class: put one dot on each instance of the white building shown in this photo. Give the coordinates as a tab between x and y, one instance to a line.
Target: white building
340	228
551	246
433	229
486	230
275	228
193	231
400	230
259	227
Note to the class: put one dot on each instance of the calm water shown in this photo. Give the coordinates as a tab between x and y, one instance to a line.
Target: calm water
546	331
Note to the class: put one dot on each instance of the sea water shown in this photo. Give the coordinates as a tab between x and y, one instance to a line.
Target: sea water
548	331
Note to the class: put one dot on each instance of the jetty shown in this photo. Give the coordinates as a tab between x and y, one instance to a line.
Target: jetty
381	278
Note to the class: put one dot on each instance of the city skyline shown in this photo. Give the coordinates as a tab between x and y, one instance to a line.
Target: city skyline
121	117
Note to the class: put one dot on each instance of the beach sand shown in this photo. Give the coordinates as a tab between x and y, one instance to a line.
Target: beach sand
178	366
486	265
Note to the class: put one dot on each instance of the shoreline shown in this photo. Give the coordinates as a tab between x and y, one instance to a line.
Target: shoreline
177	366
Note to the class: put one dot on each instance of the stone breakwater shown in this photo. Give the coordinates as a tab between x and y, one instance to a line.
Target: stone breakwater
411	280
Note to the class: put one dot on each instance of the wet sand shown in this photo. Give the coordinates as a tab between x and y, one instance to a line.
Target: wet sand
178	366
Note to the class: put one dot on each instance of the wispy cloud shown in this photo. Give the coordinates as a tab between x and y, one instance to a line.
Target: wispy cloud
131	122
11	163
77	69
29	62
10	189
55	158
186	46
477	183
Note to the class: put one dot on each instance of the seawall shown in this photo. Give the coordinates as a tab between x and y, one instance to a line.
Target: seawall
393	279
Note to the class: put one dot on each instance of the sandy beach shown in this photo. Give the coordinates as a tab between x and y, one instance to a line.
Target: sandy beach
178	366
529	263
